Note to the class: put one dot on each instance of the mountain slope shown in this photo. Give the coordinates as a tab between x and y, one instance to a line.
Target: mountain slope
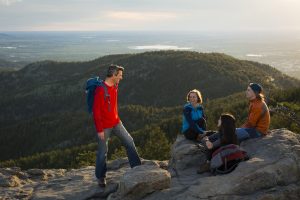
43	107
152	79
156	127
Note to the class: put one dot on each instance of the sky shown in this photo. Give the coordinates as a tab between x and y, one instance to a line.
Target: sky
150	15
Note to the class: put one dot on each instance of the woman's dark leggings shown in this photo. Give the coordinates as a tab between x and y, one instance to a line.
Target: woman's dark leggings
212	138
191	134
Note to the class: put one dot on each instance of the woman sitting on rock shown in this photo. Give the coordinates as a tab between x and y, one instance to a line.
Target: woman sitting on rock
258	121
194	124
226	135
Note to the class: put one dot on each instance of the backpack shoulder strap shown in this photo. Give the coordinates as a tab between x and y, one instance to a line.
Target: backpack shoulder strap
100	83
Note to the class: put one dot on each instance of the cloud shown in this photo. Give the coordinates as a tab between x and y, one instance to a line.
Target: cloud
159	47
9	2
199	15
75	26
140	16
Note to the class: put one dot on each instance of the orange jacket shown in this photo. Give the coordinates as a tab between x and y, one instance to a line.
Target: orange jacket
258	116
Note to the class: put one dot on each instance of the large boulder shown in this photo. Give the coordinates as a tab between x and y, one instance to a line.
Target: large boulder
141	181
273	172
186	156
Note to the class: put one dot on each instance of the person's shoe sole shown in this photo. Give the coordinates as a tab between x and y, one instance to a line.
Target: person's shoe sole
102	183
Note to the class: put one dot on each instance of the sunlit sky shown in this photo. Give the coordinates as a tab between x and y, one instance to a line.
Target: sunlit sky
146	15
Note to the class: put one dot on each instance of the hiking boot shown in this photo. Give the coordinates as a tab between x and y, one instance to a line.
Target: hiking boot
204	168
102	182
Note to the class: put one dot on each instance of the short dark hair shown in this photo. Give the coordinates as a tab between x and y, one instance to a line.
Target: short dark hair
114	70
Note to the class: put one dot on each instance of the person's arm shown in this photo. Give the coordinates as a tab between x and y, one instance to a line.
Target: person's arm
98	104
101	135
216	143
209	144
213	141
188	117
253	117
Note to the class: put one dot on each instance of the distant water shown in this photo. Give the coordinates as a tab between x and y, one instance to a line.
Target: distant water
280	51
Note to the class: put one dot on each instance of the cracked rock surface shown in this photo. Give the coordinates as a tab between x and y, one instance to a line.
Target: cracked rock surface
273	172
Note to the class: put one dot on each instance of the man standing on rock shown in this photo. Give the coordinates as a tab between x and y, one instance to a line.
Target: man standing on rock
107	122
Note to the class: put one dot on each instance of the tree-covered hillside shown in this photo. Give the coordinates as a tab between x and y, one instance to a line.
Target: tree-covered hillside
158	128
42	106
6	65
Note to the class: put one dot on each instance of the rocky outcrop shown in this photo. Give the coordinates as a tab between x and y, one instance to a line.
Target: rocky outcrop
186	157
273	172
143	180
78	184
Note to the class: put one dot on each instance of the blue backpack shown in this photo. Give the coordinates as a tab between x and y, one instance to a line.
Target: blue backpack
91	85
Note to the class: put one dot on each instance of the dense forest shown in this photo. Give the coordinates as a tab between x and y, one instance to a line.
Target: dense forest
159	128
44	122
6	65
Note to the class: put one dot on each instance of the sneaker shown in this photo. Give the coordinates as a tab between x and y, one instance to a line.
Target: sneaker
204	168
102	182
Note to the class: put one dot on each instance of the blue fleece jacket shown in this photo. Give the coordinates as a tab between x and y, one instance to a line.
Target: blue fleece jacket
190	116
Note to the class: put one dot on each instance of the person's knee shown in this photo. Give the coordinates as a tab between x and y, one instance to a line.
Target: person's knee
242	134
129	143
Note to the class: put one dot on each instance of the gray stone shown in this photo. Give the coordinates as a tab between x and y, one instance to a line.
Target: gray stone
9	181
77	184
272	173
142	180
14	171
117	164
274	163
185	155
36	172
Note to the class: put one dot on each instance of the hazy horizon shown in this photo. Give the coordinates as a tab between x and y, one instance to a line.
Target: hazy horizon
148	15
266	31
281	52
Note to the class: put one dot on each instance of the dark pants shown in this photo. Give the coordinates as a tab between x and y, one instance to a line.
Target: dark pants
212	138
191	134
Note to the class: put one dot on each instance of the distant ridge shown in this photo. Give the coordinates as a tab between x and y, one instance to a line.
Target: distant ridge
4	64
44	102
156	73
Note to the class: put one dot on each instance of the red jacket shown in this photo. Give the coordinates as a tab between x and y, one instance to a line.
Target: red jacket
258	116
105	111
